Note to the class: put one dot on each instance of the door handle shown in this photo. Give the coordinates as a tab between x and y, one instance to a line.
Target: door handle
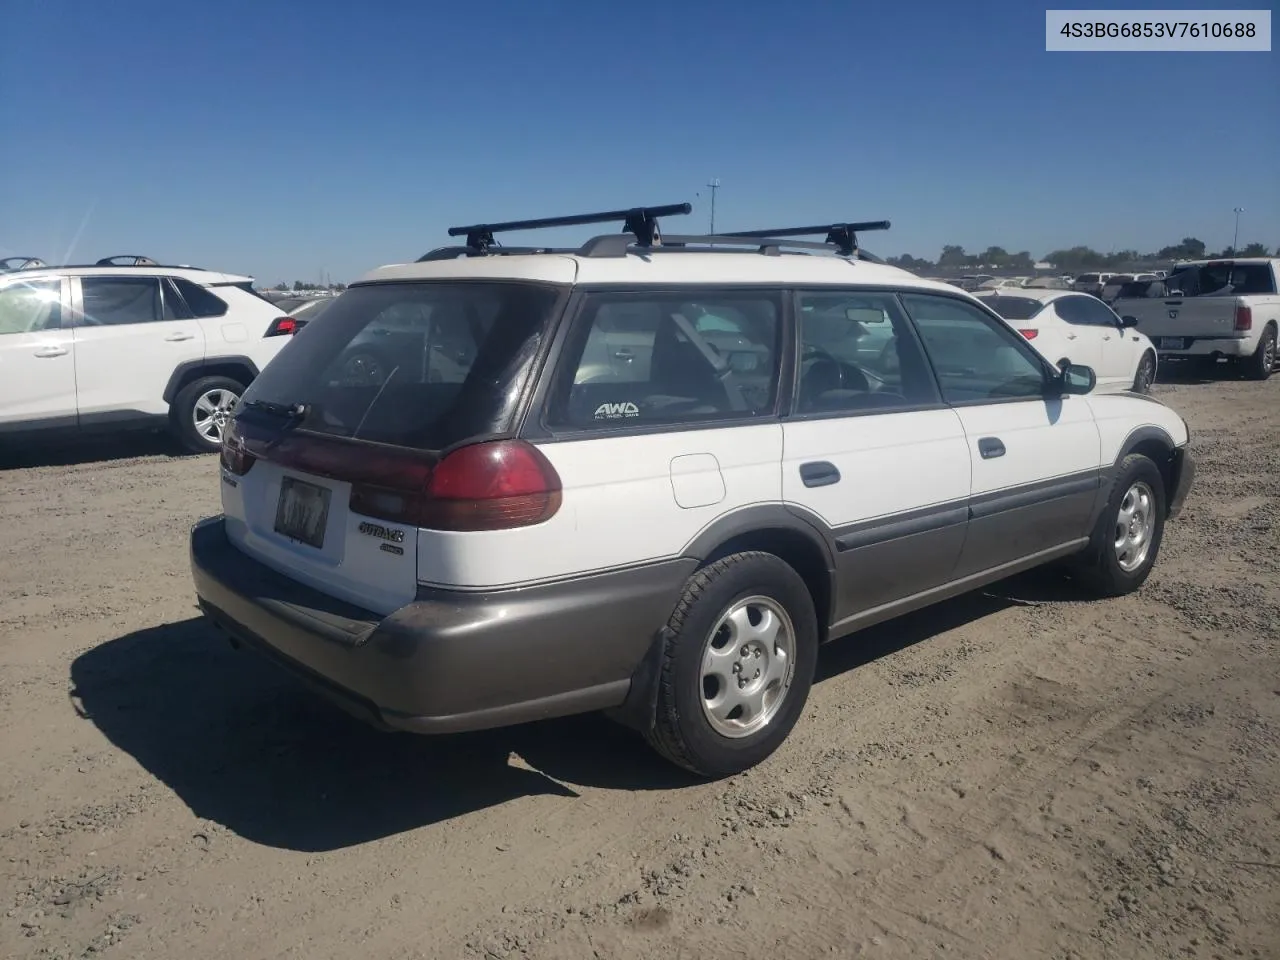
819	473
51	351
990	448
179	336
624	354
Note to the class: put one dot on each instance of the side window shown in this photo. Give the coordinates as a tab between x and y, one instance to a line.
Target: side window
975	356
112	301
201	301
857	353
663	358
1084	312
30	306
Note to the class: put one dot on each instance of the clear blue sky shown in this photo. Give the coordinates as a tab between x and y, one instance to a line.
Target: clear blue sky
279	139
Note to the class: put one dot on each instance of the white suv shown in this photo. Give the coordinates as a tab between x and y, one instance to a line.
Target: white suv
651	476
114	346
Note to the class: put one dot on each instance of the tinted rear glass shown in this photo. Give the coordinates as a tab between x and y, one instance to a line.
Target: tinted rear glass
1222	278
421	365
1014	308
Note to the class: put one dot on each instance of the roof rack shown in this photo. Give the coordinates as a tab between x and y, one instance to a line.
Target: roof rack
11	264
844	236
841	239
642	222
138	261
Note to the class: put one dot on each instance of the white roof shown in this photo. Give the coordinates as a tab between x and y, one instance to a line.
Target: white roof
203	277
658	268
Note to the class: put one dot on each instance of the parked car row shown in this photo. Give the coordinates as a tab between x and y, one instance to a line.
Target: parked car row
499	484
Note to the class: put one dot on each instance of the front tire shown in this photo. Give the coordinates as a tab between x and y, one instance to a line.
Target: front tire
1263	360
737	664
1126	539
1146	374
201	411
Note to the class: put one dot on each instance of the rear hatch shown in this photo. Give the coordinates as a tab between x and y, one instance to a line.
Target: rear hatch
327	465
1197	302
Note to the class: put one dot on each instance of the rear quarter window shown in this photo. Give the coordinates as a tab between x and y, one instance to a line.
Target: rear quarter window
649	358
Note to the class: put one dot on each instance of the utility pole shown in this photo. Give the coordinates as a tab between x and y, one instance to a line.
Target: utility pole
1235	238
714	185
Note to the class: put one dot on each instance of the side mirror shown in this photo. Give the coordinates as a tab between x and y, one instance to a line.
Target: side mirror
1074	378
1128	322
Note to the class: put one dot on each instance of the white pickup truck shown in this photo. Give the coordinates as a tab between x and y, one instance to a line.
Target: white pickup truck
1211	309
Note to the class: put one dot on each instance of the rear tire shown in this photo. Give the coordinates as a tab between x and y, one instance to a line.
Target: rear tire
1263	361
737	665
201	410
1146	374
1126	539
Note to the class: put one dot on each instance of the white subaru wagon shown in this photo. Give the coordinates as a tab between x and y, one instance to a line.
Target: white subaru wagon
651	476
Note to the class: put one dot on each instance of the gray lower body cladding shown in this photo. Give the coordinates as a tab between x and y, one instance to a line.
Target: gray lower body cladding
451	660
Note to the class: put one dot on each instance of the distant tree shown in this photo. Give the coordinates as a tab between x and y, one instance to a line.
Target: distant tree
907	262
1077	259
1189	249
994	257
282	286
1254	250
1021	261
298	286
953	256
1226	253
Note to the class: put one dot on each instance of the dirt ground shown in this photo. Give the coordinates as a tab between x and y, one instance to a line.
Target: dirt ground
1017	773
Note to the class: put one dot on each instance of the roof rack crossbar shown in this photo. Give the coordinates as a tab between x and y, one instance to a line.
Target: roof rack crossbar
640	221
769	244
843	235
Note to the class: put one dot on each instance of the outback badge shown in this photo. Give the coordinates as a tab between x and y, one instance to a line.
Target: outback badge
381	532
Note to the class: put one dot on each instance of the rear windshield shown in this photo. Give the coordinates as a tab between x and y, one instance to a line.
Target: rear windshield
1088	278
1014	308
422	365
1221	279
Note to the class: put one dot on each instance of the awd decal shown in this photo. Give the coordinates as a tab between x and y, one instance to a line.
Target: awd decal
616	411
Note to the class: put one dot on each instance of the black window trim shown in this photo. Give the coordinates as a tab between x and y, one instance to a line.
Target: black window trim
536	425
793	414
1015	338
177	289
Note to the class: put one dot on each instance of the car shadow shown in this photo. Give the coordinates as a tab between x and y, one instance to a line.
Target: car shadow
246	746
25	454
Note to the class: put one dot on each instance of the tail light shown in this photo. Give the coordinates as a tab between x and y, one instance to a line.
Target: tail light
234	457
283	327
1029	333
1244	317
497	485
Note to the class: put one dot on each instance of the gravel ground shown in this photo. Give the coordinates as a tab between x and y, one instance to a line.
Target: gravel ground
1017	773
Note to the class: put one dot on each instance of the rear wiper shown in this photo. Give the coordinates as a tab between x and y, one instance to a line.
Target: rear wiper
294	411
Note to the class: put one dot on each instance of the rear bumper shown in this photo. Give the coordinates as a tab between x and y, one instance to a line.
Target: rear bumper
1204	347
451	660
1183	471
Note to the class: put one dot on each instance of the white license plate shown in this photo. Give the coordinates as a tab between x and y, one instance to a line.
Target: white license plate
1171	343
302	512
